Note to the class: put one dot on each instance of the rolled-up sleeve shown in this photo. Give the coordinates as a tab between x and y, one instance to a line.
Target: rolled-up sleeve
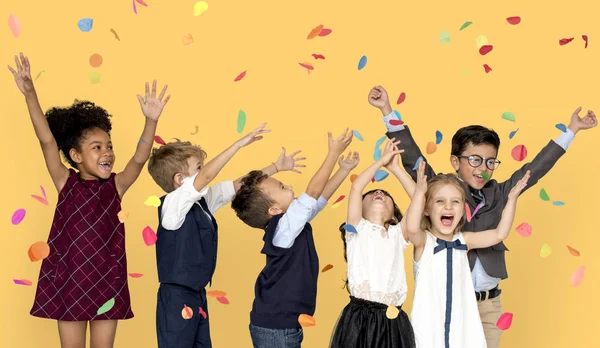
179	202
301	210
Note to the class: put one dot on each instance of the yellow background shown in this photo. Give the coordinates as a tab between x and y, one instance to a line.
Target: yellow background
533	76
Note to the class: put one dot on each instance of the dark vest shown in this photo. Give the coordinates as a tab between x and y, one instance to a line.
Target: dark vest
188	256
287	286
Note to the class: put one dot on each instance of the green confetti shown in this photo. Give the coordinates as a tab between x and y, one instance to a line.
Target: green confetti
444	37
465	71
466	24
241	122
38	75
509	116
485	176
106	307
544	195
94	77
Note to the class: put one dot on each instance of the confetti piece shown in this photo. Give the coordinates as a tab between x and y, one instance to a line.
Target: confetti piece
241	121
141	2
438	137
514	20
444	37
187	40
18	216
465	25
337	203
418	163
38	251
485	49
38	75
315	32
468	212
202	312
95	60
524	229
306	320
558	203
134	7
380	175
485	176
544	196
509	116
106	307
327	268
487	68
43	200
431	147
465	71
512	134
577	276
546	250
115	34
223	299
362	62
200	7
392	312
307	66
159	140
519	153
563	42
396	122
585	38
401	98
152	201
186	312
135	275
398	115
14	24
505	321
196	131
573	252
353	177
350	228
340	198
94	77
216	293
123	216
481	40
357	135
561	127
149	236
85	24
377	154
22	282
240	76
325	32
318	56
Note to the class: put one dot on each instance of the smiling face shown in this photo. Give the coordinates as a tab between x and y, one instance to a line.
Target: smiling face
280	194
475	160
378	206
444	212
96	158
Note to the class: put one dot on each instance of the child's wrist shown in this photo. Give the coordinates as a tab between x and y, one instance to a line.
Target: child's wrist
573	128
386	109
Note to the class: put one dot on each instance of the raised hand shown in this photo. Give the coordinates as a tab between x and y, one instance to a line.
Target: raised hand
519	186
390	151
289	162
23	74
339	144
378	97
253	136
152	106
421	187
394	164
350	162
586	122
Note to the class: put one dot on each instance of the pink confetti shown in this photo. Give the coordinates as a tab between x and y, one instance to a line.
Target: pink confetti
22	282
585	38
318	56
134	7
15	25
401	98
141	2
135	275
514	20
149	236
577	276
223	300
325	32
485	49
519	153
487	68
524	229
468	211
240	76
563	42
18	216
505	321
307	66
43	200
202	312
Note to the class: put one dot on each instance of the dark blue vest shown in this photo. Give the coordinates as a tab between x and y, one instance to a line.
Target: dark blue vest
188	256
287	286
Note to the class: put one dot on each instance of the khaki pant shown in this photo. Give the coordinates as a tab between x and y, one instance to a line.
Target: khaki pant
490	311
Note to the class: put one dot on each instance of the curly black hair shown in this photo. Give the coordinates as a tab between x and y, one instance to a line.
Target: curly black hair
69	125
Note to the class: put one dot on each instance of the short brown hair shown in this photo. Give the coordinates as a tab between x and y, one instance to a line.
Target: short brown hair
170	159
432	186
250	203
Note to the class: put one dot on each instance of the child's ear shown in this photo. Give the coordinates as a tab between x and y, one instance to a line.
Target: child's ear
75	156
178	178
425	212
274	210
455	162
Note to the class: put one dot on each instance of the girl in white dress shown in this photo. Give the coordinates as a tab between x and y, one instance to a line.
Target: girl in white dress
374	242
444	311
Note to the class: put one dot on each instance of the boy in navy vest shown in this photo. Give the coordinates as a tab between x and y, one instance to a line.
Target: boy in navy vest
474	157
287	286
186	248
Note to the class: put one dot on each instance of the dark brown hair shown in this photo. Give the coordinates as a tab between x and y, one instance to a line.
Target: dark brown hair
250	203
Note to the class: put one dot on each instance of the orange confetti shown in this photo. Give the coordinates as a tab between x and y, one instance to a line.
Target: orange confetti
135	275
327	268
223	299
353	177
315	32
188	40
431	147
38	251
123	216
22	282
216	293
95	60
577	276
186	312
573	252
306	320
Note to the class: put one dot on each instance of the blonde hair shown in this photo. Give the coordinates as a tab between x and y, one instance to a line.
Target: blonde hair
433	186
170	159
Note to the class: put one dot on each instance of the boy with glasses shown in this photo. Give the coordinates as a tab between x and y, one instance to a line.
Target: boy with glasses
474	157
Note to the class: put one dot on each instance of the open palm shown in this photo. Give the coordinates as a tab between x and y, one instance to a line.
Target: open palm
23	74
289	162
152	106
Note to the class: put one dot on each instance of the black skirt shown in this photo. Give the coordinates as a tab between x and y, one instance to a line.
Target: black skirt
364	324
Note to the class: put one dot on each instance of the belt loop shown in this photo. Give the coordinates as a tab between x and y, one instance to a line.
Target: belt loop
483	295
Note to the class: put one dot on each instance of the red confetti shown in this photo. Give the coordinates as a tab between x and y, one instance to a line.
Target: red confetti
401	98
468	211
514	20
240	76
223	300
372	179
505	321
159	140
315	32
307	66
487	68
519	153
325	32
327	268
149	236
339	199
318	56
396	122
584	37
202	312
524	229
485	49
135	275
141	2
563	42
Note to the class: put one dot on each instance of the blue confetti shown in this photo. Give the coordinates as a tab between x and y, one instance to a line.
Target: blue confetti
362	62
418	163
562	127
380	175
438	137
380	141
85	24
377	154
398	115
358	136
350	228
558	203
512	134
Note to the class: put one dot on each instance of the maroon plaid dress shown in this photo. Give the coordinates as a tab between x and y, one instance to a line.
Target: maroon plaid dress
87	265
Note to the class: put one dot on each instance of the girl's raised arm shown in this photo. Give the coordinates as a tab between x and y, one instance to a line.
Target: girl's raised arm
414	213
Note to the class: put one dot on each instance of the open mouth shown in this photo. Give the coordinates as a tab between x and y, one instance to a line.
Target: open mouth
106	165
447	220
379	198
479	178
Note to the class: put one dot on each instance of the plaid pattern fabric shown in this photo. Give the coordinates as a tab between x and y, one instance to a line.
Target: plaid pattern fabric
87	265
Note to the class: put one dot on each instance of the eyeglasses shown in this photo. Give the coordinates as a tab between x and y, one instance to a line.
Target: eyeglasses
476	160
